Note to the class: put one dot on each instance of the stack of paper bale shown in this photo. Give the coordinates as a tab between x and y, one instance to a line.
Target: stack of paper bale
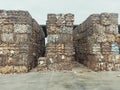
59	48
96	42
20	38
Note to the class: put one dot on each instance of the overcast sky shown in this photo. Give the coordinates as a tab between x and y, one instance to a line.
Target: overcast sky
81	8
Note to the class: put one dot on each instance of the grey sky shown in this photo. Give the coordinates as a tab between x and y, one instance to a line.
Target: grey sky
81	8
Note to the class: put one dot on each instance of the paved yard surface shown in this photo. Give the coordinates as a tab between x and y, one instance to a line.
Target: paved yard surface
73	80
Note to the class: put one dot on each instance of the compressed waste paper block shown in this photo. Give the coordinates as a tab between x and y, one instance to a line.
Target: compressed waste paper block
115	48
67	30
95	49
114	18
110	37
96	42
42	64
106	48
21	39
105	19
117	38
97	63
13	69
112	29
67	38
60	20
59	47
98	29
53	38
7	28
109	18
69	24
93	19
7	37
69	17
42	60
51	16
57	26
22	28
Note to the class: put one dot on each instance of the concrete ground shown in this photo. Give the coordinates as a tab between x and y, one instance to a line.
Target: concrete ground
78	79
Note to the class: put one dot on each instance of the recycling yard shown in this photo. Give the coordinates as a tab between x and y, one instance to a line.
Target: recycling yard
59	55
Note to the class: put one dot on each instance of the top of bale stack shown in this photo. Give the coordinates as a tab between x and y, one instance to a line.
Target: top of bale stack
15	16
